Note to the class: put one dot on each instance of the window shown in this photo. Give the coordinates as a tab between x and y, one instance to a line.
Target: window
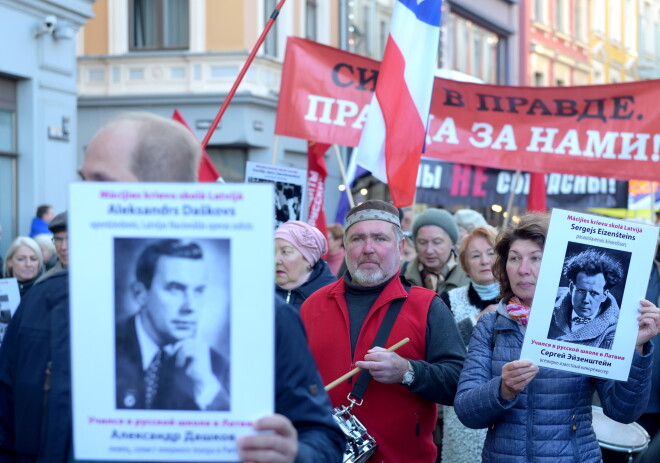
579	19
560	16
311	13
270	44
230	161
615	20
538	13
598	13
474	50
159	24
539	79
8	161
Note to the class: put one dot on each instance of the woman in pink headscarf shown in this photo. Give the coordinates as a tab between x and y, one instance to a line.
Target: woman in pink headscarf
299	269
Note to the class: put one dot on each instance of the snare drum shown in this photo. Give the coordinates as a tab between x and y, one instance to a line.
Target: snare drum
359	444
619	442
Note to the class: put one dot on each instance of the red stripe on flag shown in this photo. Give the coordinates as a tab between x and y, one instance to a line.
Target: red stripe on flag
207	171
536	199
405	132
316	175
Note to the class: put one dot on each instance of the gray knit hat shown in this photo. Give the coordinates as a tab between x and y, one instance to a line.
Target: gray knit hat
439	218
469	219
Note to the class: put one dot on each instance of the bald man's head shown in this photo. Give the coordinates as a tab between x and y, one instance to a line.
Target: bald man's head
142	147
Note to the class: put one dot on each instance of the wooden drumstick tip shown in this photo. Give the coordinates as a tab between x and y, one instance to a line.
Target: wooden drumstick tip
356	370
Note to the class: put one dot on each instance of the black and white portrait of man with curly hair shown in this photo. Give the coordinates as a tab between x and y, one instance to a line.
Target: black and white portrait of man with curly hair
586	311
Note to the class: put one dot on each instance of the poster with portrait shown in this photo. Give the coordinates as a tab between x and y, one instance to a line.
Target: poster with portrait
290	189
10	297
594	272
162	324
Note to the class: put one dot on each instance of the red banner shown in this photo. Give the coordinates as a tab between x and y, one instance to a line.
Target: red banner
316	174
600	130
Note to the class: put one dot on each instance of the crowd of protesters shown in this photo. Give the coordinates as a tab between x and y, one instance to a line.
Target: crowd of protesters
455	290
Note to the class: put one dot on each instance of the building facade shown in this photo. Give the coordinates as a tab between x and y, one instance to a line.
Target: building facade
157	56
613	41
38	114
558	42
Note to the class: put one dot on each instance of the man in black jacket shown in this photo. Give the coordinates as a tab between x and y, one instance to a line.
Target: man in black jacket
35	372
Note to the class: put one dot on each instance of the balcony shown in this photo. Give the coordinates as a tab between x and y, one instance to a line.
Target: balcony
170	73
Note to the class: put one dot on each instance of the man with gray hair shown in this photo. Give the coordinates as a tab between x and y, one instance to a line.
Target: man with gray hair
343	322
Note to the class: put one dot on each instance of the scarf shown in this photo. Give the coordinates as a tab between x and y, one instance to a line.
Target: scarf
518	311
487	292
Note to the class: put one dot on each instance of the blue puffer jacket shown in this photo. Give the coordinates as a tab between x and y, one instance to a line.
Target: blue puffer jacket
550	420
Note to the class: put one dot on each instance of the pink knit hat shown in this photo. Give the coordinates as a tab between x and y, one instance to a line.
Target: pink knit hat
307	239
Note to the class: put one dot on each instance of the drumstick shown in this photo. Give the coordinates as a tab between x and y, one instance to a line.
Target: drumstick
356	370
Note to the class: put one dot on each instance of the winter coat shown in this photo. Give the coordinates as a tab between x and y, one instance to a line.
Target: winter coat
550	420
320	277
459	443
36	425
454	279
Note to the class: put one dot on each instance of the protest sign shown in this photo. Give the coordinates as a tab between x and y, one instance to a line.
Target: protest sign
593	275
441	183
162	326
9	299
598	130
290	186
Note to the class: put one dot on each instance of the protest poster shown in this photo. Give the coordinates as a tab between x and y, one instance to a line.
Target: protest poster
290	189
10	297
597	130
584	315
162	324
445	184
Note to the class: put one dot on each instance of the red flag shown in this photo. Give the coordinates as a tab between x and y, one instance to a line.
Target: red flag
536	197
316	174
207	171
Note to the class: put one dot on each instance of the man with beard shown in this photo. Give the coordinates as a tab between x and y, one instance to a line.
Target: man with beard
342	321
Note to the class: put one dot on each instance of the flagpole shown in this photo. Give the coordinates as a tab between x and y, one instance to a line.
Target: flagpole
512	194
241	74
348	191
274	155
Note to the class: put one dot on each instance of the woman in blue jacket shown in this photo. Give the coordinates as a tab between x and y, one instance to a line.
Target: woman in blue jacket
539	414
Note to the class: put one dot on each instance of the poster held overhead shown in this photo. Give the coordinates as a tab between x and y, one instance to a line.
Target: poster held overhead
290	189
593	275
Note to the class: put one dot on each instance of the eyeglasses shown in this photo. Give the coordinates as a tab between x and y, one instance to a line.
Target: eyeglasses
60	239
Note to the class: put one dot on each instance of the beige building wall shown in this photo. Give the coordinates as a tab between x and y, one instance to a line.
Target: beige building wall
96	35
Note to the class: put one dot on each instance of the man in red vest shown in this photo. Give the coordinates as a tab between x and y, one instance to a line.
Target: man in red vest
342	319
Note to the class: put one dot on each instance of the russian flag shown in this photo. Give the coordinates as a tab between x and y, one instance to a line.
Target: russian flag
393	137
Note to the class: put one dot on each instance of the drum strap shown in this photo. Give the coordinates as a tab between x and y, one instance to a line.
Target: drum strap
381	337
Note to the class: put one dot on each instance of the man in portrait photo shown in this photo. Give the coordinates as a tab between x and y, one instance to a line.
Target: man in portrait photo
161	361
586	312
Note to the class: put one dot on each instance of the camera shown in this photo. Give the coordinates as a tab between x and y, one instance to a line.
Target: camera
46	26
49	23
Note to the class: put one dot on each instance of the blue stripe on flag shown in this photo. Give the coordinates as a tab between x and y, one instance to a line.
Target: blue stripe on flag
427	11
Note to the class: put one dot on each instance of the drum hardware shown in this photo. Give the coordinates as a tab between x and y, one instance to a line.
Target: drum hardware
360	445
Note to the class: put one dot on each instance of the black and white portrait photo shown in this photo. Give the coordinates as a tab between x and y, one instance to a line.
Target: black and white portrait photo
288	200
588	301
172	324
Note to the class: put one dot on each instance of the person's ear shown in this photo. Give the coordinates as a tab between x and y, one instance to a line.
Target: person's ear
571	287
139	292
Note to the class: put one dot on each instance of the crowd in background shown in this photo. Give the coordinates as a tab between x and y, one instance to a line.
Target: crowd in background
460	289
